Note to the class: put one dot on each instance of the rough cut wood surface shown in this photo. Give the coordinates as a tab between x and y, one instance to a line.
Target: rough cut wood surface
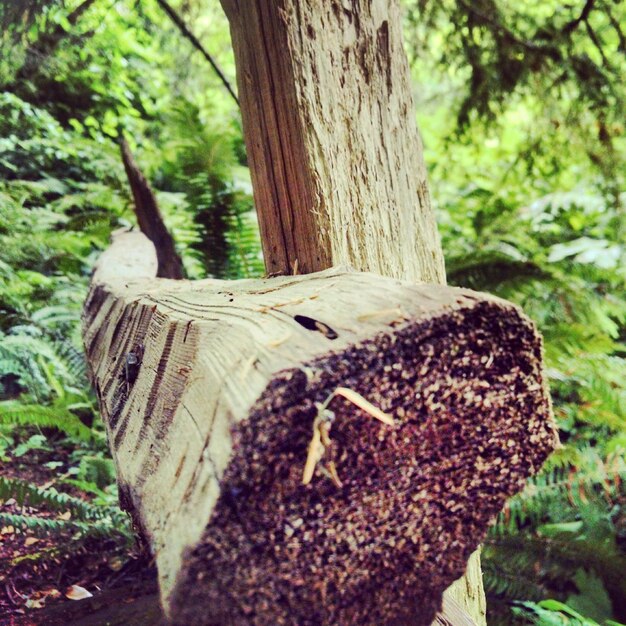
334	152
210	431
335	155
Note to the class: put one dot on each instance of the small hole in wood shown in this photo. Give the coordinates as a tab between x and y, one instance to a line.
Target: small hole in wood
312	324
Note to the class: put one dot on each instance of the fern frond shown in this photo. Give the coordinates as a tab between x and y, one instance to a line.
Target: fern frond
27	494
97	528
512	579
87	519
563	489
553	613
17	414
553	561
485	269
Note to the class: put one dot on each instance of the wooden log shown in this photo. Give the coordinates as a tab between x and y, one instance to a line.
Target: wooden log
208	390
335	157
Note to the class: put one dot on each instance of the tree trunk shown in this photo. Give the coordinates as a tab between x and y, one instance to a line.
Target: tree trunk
149	218
334	151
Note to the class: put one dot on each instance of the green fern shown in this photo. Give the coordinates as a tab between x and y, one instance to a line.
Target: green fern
554	613
30	495
217	193
79	530
567	517
86	519
567	484
571	515
18	414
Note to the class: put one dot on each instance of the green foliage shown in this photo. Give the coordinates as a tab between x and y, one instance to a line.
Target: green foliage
18	413
28	495
200	161
530	197
74	75
554	613
571	516
554	70
560	254
84	520
61	196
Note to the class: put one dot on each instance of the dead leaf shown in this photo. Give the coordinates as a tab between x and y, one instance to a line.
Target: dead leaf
76	592
7	530
315	453
29	541
65	516
362	403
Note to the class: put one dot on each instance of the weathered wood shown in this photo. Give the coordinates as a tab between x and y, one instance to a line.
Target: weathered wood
149	218
334	152
466	594
210	432
452	613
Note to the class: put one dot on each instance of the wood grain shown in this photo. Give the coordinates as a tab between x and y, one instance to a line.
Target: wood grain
335	155
334	152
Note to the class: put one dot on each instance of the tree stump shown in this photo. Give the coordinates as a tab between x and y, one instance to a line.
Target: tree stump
210	392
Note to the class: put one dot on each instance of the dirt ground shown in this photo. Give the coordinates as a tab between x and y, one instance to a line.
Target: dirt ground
40	575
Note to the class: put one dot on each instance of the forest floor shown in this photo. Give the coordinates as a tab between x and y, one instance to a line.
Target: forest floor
40	575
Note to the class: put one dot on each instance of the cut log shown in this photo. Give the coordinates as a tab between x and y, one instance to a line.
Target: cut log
210	390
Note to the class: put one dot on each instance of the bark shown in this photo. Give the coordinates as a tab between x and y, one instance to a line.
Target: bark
150	220
208	390
334	152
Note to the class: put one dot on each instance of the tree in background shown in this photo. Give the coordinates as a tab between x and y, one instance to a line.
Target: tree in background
563	64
